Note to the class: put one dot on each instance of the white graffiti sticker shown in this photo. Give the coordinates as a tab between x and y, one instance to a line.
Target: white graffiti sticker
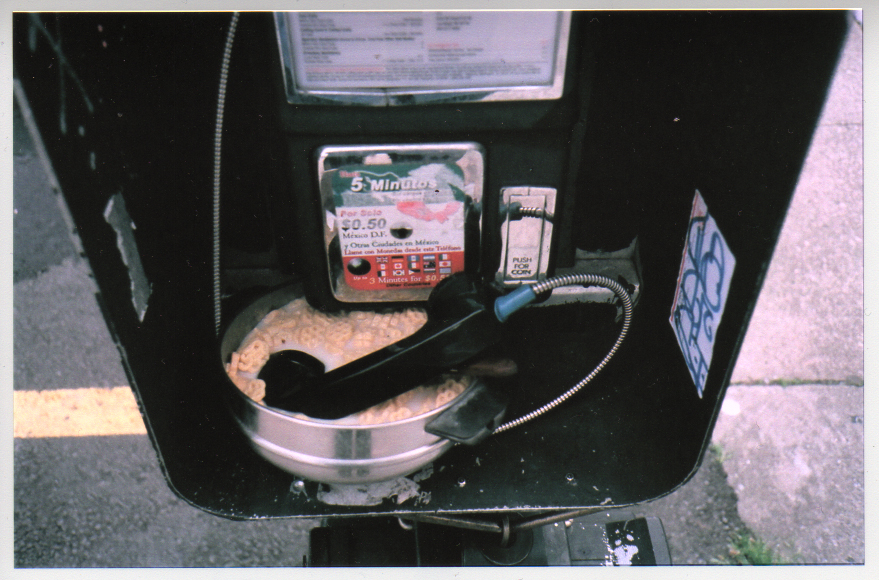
702	288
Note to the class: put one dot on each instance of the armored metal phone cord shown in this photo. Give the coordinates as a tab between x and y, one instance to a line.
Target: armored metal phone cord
535	212
218	141
584	280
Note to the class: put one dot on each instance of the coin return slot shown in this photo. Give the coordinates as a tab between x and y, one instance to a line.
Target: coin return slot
526	234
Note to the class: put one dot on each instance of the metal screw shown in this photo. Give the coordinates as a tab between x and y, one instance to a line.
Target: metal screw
569	477
462	482
298	485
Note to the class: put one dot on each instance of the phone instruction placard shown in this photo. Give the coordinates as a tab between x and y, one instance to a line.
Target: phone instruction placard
423	50
399	225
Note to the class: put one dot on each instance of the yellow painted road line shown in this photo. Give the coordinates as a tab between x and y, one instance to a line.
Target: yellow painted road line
76	413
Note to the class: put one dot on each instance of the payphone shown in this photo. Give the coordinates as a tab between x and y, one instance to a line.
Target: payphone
432	162
419	141
416	169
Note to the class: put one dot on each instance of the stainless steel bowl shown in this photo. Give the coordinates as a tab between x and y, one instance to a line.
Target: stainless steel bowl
321	450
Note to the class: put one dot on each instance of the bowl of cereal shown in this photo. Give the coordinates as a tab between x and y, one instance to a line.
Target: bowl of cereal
383	442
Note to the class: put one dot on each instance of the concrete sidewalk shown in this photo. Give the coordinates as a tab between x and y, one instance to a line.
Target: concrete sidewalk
794	456
791	432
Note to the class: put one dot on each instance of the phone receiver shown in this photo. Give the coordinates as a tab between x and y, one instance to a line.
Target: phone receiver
461	323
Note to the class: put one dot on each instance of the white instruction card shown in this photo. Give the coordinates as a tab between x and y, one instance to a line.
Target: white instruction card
436	50
702	288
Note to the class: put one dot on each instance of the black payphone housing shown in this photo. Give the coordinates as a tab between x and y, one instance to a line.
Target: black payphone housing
656	106
524	142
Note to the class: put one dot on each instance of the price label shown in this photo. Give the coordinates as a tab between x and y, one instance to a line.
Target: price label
399	225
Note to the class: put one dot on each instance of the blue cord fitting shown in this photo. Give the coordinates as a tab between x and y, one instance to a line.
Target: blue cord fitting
509	303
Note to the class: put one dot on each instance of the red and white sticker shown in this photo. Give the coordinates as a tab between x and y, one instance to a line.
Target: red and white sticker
400	225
